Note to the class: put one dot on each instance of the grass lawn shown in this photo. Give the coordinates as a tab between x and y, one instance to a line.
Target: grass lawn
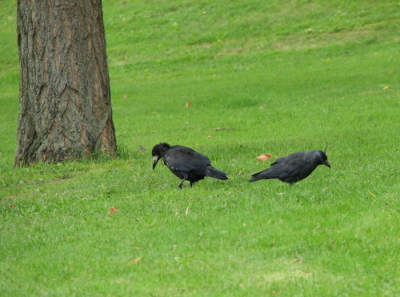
261	77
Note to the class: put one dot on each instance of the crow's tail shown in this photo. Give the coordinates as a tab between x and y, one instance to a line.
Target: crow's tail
215	173
253	179
262	175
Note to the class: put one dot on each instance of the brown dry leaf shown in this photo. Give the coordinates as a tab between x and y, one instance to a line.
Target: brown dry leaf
264	157
125	96
12	205
188	104
113	210
134	261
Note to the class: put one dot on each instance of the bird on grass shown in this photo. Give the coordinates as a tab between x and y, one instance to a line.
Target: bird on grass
185	163
293	168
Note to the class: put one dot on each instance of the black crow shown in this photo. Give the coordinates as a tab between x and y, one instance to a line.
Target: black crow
185	163
293	168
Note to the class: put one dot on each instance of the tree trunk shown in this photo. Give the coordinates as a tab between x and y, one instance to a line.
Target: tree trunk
65	99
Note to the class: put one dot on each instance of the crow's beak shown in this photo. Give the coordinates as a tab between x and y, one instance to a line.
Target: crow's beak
155	161
327	163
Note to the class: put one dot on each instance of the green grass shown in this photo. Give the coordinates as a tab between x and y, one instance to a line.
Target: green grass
263	77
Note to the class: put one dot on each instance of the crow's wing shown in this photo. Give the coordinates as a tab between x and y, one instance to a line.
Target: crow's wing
284	167
185	159
293	167
290	168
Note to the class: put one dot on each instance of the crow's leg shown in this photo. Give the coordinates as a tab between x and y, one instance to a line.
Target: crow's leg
191	184
181	183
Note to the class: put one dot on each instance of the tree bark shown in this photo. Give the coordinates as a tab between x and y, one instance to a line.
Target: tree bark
65	99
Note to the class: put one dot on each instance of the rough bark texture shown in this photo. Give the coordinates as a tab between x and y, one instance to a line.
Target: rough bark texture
65	100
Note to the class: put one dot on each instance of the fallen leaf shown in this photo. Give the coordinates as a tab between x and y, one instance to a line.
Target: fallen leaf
113	210
264	157
12	205
188	104
134	261
125	96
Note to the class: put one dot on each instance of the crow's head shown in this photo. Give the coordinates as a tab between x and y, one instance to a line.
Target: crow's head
322	158
158	152
317	157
